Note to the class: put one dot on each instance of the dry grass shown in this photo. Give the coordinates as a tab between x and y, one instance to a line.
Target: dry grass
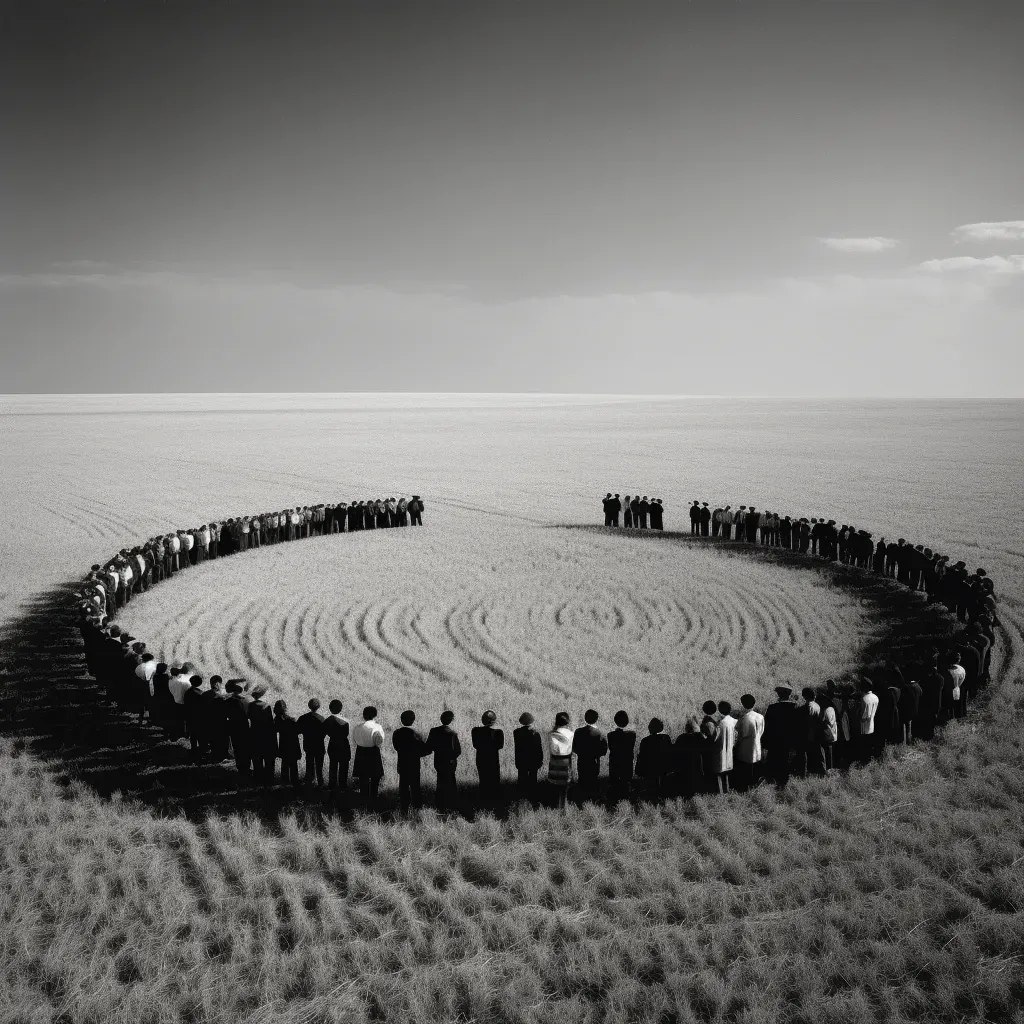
895	893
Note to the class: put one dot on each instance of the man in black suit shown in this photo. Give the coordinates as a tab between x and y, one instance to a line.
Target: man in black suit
753	521
416	513
705	520
589	745
488	740
411	747
644	508
529	750
695	519
657	515
909	707
621	745
215	719
606	503
443	743
262	736
339	751
238	725
194	717
314	735
781	727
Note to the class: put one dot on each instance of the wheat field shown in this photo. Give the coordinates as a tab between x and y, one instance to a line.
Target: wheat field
895	892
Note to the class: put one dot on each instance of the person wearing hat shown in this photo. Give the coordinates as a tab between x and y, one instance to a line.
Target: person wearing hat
705	519
215	720
560	756
368	766
589	745
695	518
339	750
488	740
657	514
443	743
314	736
262	736
780	734
411	747
529	754
416	514
194	718
606	504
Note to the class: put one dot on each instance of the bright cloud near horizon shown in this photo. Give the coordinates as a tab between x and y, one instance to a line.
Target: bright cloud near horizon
468	197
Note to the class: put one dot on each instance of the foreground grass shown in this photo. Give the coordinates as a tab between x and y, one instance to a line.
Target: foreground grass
893	893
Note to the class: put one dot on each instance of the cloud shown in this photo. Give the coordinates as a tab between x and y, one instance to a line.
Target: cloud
990	231
968	264
876	243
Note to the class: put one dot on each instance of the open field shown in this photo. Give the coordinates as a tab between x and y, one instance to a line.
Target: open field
894	893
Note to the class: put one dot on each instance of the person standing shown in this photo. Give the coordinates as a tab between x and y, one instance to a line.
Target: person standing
607	504
780	734
411	748
657	514
811	757
621	746
416	514
313	731
238	727
910	704
705	520
368	766
654	758
488	741
644	507
747	753
695	519
868	709
560	756
215	714
589	745
263	736
339	751
724	746
194	718
726	522
752	522
716	521
443	742
288	748
627	513
529	755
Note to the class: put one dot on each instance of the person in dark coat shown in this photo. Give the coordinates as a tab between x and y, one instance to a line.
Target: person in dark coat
194	718
416	516
314	737
215	719
688	755
705	520
753	521
695	519
288	746
162	709
644	508
886	717
488	741
780	737
654	758
443	743
411	747
657	513
909	707
262	736
589	745
339	750
606	503
621	747
529	754
238	727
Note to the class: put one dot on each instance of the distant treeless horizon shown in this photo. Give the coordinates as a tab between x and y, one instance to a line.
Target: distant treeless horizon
783	200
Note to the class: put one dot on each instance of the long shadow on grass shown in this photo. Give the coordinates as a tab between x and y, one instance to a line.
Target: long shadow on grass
50	706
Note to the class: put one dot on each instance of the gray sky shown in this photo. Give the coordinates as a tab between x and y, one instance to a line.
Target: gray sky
727	198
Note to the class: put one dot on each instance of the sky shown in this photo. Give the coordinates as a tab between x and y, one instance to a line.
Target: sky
738	197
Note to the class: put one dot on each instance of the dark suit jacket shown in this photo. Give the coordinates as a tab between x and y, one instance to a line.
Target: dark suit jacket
910	701
621	744
238	719
529	748
781	727
588	743
263	731
288	748
337	734
313	732
214	711
654	758
193	703
411	747
443	743
487	741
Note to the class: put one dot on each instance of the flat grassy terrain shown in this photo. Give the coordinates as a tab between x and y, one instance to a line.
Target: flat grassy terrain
893	893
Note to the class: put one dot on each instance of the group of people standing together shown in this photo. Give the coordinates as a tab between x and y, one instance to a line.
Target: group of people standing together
111	585
723	748
639	513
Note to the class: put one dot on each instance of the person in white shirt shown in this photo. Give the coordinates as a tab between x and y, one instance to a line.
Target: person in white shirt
174	546
868	707
368	766
560	756
178	685
724	743
747	752
144	672
958	675
727	517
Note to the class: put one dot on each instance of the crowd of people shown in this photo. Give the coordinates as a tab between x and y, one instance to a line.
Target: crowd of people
641	513
727	746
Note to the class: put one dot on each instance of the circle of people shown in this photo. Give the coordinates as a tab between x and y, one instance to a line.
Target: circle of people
726	747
